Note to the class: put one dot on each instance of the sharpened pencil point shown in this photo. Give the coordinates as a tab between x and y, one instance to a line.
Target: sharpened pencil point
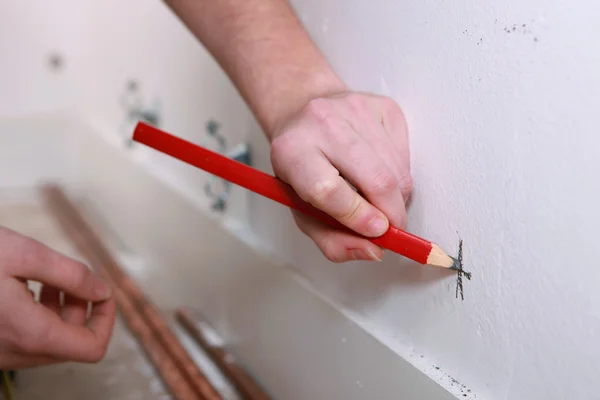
456	266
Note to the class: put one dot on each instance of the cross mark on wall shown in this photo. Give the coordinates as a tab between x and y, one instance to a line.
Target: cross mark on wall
461	272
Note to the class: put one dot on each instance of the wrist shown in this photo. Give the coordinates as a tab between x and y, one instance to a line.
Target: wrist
321	82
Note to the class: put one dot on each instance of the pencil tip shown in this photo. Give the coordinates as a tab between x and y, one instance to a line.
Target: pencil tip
456	266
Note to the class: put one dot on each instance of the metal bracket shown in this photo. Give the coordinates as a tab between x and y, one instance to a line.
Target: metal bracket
133	104
240	153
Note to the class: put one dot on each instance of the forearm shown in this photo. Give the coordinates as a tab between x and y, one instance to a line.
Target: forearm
265	51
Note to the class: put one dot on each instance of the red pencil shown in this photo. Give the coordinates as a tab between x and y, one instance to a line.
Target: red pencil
396	240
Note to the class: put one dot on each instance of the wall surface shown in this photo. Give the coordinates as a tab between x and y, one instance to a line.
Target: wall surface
292	340
500	104
500	99
29	37
102	46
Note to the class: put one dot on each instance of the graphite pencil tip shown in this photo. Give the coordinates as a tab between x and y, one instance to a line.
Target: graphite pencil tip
456	265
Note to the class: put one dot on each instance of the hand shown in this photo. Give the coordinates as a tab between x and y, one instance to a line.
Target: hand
359	138
32	333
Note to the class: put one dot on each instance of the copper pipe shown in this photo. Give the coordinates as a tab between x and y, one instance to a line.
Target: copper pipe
244	384
170	373
83	236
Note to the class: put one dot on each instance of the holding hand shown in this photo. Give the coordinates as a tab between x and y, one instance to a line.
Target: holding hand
359	138
33	333
321	134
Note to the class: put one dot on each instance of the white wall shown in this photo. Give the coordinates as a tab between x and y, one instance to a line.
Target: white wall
501	101
29	35
503	137
103	45
292	340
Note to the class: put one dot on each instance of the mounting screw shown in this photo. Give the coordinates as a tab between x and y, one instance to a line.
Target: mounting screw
212	127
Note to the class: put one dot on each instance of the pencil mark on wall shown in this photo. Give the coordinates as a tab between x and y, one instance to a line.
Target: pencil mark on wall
461	272
523	29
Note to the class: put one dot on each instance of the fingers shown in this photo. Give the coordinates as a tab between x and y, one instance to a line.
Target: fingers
43	332
43	335
359	163
376	158
337	246
356	137
394	124
33	260
318	182
82	343
102	319
50	298
74	310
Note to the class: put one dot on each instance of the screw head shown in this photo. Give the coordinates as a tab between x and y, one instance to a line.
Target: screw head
212	126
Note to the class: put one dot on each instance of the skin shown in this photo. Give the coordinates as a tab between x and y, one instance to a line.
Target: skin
326	140
43	332
322	134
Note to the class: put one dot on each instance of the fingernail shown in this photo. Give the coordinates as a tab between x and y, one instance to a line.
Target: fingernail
373	256
103	290
365	255
377	226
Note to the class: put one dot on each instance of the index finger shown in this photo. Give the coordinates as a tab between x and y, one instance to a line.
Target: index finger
34	260
83	343
319	183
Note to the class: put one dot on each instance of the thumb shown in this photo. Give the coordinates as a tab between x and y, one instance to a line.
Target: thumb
337	198
319	183
40	263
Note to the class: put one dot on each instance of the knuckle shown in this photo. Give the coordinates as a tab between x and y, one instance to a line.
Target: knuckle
393	114
383	183
358	106
391	106
287	159
356	101
329	250
322	191
279	148
330	123
280	144
320	110
406	184
96	354
284	149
